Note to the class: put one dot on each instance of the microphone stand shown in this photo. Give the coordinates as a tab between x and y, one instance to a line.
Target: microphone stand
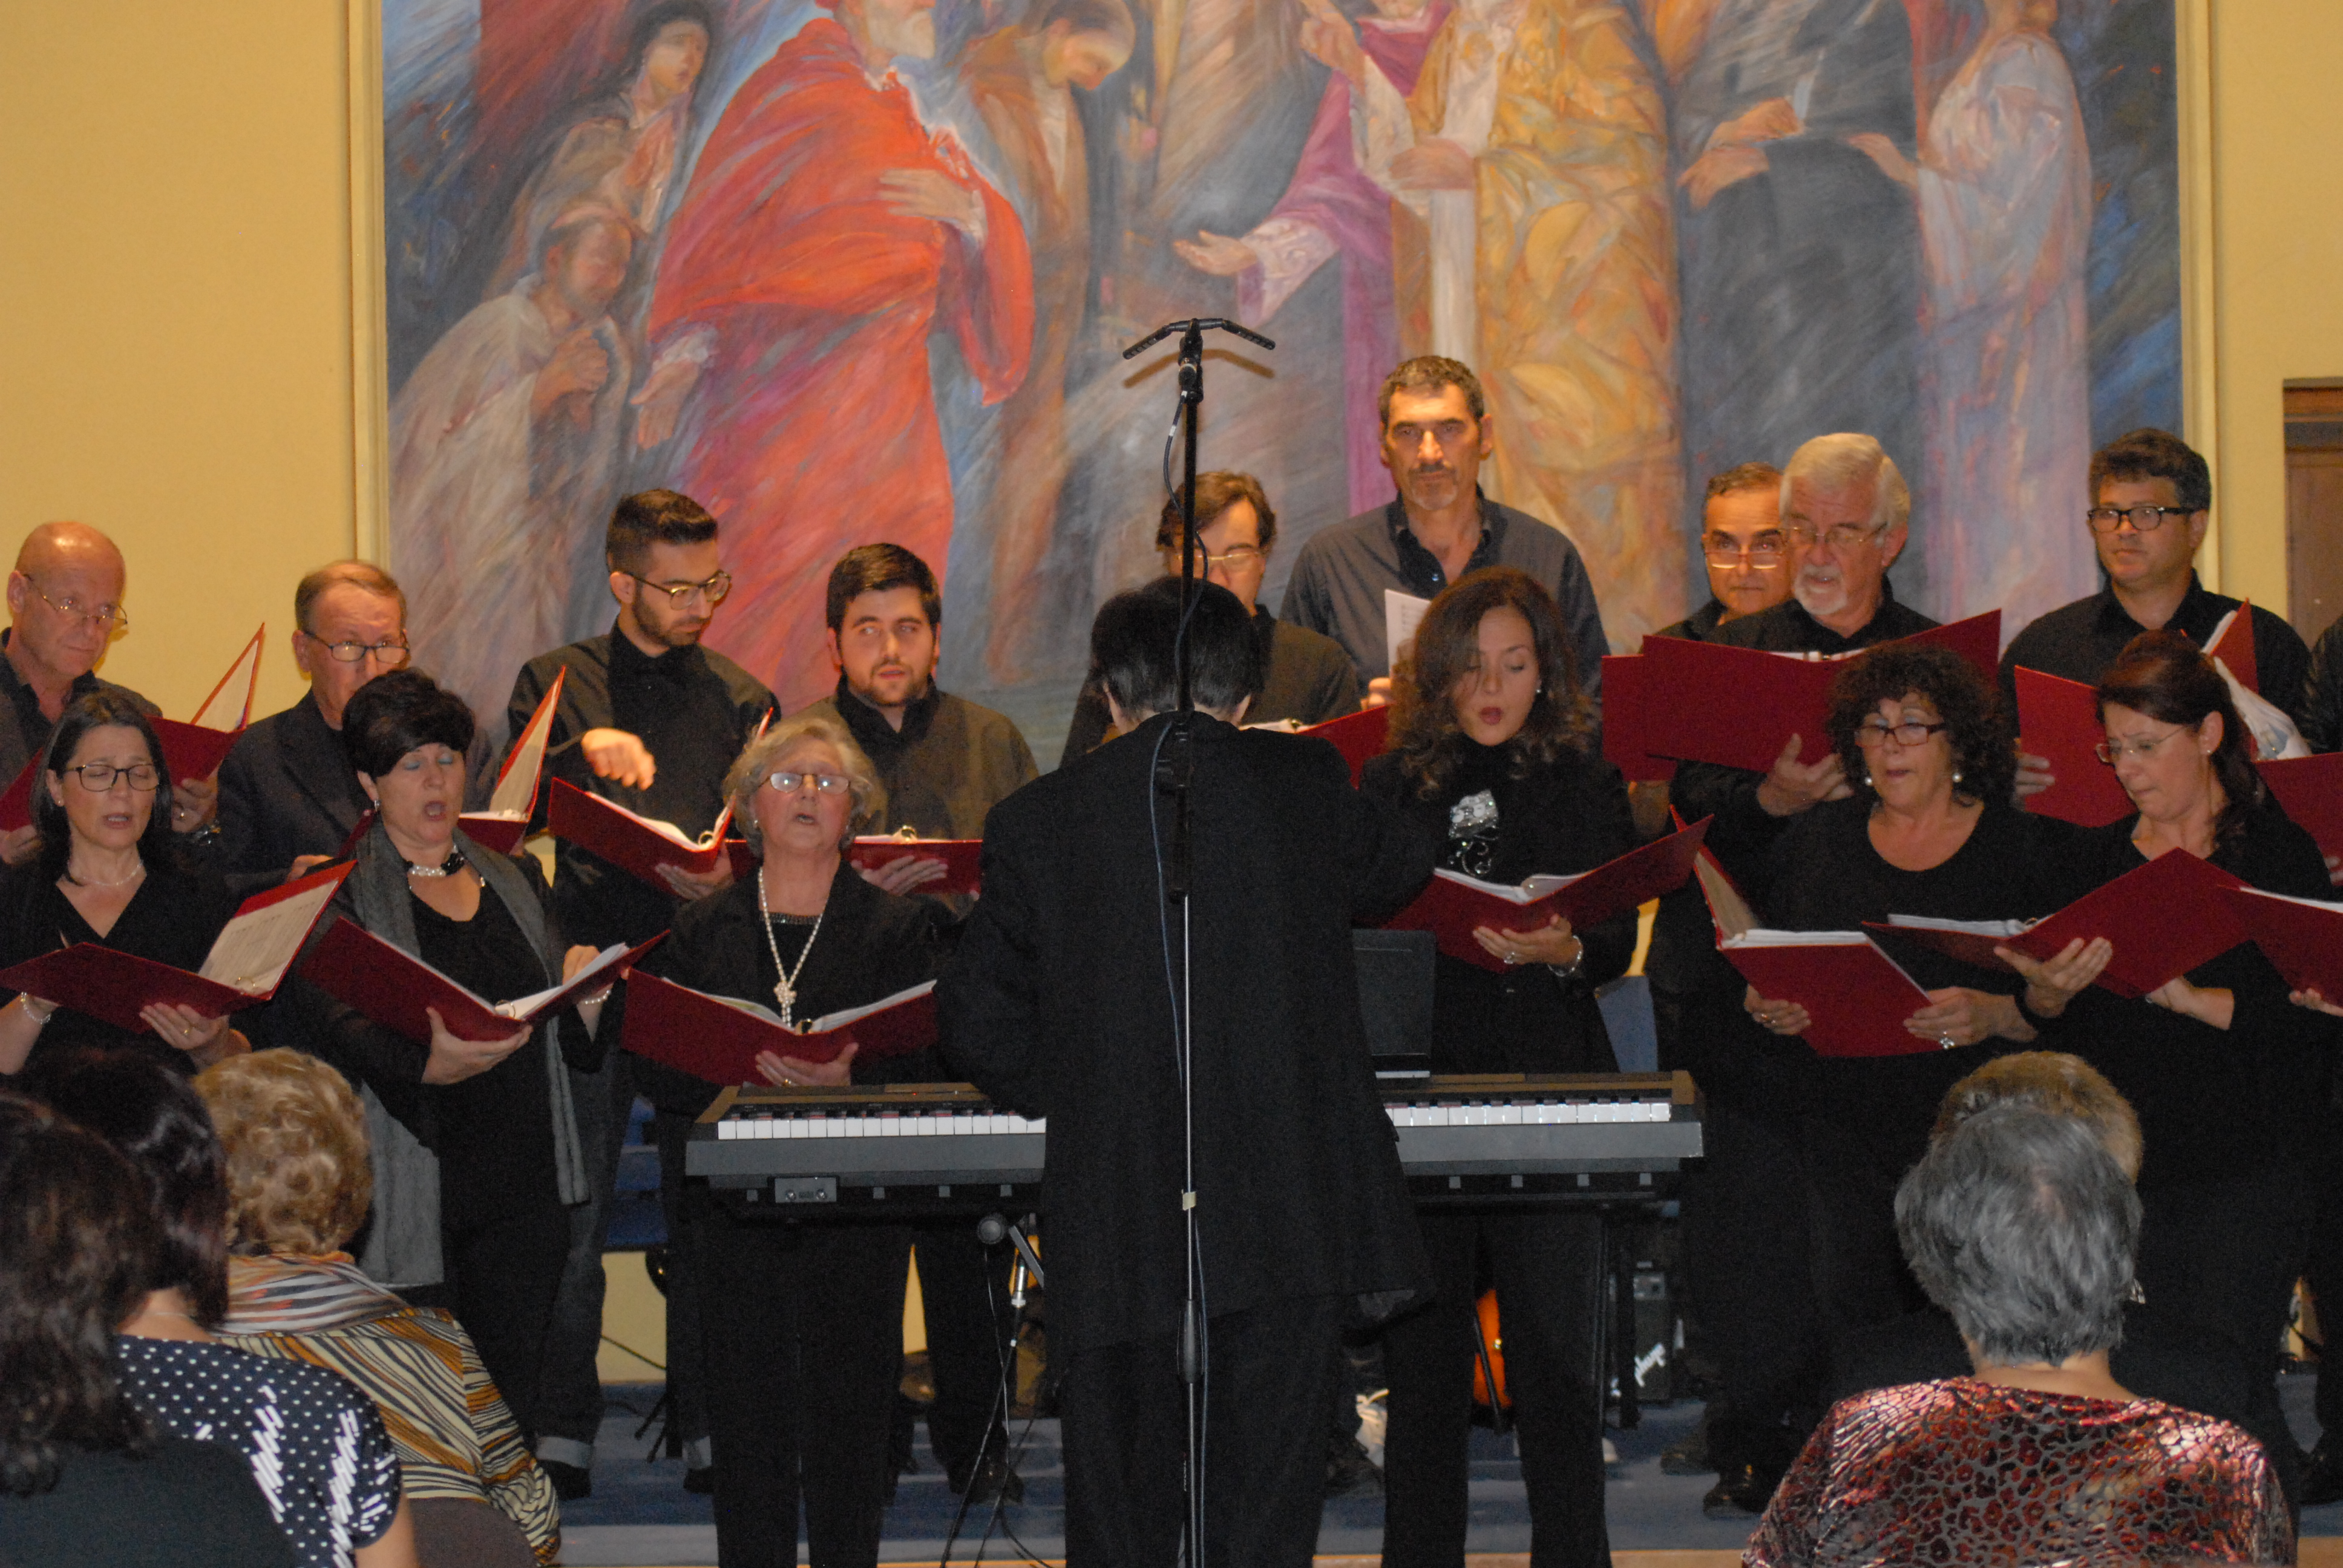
1175	774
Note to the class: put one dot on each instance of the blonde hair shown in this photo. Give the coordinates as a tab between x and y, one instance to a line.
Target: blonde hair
2048	1080
300	1173
755	761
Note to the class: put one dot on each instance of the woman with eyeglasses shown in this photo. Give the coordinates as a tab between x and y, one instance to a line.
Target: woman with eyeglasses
1491	754
108	870
476	1159
802	1323
1929	831
2228	1078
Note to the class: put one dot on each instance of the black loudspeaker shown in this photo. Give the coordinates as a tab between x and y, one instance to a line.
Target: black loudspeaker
1395	971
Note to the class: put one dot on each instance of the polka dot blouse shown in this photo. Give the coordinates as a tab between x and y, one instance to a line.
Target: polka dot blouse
315	1444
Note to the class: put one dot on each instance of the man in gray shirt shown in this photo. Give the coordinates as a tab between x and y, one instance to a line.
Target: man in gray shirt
1436	435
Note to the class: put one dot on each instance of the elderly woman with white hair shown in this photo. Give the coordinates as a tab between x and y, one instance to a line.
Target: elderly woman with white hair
2022	1226
804	1322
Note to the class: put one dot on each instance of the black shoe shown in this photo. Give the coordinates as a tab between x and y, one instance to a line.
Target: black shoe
700	1483
570	1482
2322	1477
1740	1493
993	1476
1348	1470
1687	1455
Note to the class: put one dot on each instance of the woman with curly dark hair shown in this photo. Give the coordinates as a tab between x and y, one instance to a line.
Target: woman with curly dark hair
85	1478
2228	1079
1490	755
1929	831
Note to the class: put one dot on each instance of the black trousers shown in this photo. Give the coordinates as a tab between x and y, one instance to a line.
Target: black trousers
964	1290
803	1330
504	1272
1548	1273
1123	1412
686	1372
571	1399
2323	1266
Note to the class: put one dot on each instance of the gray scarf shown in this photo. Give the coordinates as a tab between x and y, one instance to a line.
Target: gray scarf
403	1247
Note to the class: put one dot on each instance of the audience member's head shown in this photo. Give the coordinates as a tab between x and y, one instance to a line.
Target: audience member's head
2151	499
1934	685
78	1248
64	602
349	625
1847	512
104	782
1742	539
1133	652
2049	1080
665	571
153	1115
2022	1227
2173	735
1235	531
294	1138
1490	665
1436	432
885	614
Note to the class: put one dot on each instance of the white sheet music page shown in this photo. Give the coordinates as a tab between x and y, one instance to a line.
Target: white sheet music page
1403	613
255	949
522	1006
844	1017
516	789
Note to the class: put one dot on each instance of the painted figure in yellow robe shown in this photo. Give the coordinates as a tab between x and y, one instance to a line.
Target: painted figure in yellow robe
1531	168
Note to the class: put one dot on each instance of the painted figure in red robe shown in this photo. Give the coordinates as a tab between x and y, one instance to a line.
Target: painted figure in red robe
827	233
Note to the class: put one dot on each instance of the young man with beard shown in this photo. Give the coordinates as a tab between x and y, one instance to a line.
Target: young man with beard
945	762
651	720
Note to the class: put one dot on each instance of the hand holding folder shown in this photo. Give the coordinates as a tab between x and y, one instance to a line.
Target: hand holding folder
638	844
958	858
399	991
718	1039
1453	906
246	962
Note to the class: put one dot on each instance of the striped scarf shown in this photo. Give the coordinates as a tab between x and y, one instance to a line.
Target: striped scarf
279	1294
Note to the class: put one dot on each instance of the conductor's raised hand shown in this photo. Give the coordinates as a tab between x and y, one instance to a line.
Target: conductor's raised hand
452	1060
2052	983
1776	1014
1552	943
620	757
1793	786
791	1072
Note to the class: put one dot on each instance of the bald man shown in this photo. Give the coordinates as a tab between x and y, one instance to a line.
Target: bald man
64	607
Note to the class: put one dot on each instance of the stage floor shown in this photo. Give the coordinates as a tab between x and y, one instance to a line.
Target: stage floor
640	1517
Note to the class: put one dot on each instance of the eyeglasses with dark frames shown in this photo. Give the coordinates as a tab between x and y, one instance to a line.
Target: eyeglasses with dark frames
97	777
390	655
2143	520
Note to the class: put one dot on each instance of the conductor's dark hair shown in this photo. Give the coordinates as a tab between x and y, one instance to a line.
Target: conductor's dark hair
2168	678
1132	648
153	1116
1447	649
2152	454
398	712
1983	746
99	709
77	1245
1216	494
650	518
875	569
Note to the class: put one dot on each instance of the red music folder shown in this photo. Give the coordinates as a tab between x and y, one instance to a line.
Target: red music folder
2302	937
1357	736
246	962
190	749
1452	904
1626	734
2058	720
2311	790
503	823
2233	644
636	843
2165	917
1712	702
960	857
717	1037
1856	996
355	966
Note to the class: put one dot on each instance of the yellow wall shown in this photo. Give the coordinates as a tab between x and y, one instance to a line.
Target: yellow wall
176	304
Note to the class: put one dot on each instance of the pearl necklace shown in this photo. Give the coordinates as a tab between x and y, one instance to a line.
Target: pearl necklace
454	863
786	990
79	881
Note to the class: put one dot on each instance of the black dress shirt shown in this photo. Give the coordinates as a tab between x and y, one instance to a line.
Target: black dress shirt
173	918
1305	677
24	729
692	710
951	763
2080	640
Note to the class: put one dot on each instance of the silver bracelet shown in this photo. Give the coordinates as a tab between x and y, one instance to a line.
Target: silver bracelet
1570	971
40	1019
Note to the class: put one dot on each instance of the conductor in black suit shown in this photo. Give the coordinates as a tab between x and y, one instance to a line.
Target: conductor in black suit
1059	1003
287	795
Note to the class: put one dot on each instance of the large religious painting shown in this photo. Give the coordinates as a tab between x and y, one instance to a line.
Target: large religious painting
861	270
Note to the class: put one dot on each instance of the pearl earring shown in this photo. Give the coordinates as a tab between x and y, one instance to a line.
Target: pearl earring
1867	781
1956	775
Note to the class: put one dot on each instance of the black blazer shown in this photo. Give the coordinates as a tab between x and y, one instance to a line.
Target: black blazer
1057	1002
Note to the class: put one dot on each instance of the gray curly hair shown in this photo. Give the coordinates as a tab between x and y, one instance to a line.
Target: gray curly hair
757	759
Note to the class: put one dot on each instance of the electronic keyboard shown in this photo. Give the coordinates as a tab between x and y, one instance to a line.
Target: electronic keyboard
1504	1137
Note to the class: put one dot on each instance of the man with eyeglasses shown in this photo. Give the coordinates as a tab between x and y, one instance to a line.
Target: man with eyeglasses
651	719
288	797
945	763
2151	497
64	609
1309	678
